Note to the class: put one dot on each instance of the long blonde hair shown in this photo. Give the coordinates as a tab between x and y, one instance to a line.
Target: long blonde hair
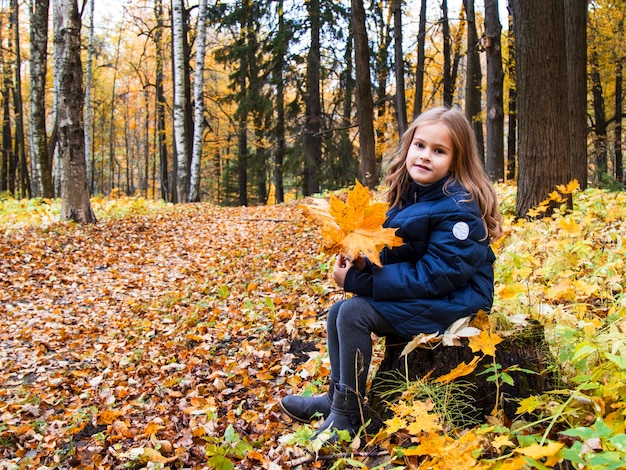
466	169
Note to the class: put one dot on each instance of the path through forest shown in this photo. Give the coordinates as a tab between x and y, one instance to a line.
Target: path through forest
144	338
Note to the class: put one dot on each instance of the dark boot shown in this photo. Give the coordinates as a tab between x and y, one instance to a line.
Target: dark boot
346	413
304	409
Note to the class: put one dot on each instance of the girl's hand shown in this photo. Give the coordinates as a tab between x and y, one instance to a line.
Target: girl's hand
341	268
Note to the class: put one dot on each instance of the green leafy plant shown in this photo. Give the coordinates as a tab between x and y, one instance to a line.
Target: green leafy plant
220	451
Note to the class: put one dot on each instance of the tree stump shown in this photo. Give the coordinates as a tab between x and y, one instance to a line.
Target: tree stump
526	349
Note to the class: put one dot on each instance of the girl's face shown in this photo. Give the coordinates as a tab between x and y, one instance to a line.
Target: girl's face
430	155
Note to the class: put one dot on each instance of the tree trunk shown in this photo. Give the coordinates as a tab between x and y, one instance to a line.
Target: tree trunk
473	80
364	104
42	174
381	17
280	51
313	124
399	67
544	158
619	96
600	140
144	183
448	85
495	86
180	128
9	161
75	193
348	166
194	195
511	142
619	171
576	47
88	103
526	349
20	149
421	61
160	103
112	131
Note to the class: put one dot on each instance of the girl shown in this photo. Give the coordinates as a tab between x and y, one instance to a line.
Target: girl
446	211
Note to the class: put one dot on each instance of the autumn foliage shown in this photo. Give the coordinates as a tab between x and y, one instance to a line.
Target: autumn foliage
165	336
354	227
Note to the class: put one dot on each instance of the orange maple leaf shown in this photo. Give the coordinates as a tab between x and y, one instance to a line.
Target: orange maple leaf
354	227
461	370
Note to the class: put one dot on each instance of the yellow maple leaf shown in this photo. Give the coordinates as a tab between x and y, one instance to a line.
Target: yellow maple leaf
537	451
459	371
528	405
570	226
434	446
570	188
486	342
394	424
354	227
427	422
502	441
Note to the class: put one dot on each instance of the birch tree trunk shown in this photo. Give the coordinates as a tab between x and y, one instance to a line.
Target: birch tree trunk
75	201
198	93
112	133
88	107
40	161
600	157
180	134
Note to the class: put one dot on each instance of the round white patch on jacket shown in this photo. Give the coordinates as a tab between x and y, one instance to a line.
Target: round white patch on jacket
460	230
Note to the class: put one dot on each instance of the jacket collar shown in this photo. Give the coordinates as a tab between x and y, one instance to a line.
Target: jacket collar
419	193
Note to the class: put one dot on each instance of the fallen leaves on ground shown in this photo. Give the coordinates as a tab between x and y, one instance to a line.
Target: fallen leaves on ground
166	338
149	338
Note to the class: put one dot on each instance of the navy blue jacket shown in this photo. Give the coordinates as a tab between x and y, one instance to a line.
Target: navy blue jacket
444	270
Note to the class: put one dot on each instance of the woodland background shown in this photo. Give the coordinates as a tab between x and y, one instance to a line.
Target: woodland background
257	102
165	334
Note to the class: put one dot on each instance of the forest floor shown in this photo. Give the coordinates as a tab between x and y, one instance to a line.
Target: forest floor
157	331
165	338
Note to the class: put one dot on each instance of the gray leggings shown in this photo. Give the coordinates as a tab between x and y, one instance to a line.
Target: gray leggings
350	326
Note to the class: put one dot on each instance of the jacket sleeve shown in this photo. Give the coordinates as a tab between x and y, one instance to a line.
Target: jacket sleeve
456	249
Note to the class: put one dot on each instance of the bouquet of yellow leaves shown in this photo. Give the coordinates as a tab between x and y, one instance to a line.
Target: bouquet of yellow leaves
354	227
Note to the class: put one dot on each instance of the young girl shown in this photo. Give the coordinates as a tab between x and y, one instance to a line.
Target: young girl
445	209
